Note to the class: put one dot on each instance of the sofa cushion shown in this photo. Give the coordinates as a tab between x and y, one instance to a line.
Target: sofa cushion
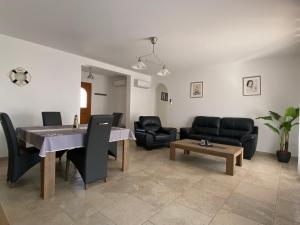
226	141
206	125
236	127
162	137
199	136
150	123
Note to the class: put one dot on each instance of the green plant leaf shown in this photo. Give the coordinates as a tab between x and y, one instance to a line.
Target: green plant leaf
286	125
275	115
273	128
292	112
264	118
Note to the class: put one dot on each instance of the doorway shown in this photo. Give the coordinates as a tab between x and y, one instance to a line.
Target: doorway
162	103
85	102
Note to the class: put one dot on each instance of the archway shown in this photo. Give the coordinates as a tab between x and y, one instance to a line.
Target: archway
162	103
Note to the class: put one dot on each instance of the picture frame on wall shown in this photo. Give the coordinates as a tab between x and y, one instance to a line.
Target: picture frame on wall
196	89
164	96
252	86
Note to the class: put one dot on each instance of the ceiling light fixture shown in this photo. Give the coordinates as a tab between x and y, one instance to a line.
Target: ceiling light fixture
141	63
90	76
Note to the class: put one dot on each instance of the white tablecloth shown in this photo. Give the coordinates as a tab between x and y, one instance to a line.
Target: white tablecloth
57	138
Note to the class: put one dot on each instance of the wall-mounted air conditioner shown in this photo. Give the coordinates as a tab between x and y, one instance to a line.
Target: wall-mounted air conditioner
141	84
119	83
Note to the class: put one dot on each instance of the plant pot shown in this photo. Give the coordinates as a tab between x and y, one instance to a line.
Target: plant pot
283	156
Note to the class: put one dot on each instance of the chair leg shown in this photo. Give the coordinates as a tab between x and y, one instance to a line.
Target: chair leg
85	186
11	184
116	158
67	169
105	179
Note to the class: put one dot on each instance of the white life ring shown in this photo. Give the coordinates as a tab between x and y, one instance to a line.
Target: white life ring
20	76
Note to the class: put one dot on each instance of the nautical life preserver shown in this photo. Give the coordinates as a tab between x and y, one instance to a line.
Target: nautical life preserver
20	76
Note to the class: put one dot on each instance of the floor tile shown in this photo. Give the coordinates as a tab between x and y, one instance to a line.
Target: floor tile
202	201
288	210
257	192
250	208
130	211
176	214
228	218
282	221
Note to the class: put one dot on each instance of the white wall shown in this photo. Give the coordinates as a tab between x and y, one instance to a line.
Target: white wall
101	84
145	106
115	101
55	85
223	95
161	106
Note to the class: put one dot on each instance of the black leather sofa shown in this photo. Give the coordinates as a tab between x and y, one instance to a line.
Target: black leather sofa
150	134
230	131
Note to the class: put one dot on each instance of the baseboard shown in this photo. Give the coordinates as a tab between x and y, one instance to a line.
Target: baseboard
272	153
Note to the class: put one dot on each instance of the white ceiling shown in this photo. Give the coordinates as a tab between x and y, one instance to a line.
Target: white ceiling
191	32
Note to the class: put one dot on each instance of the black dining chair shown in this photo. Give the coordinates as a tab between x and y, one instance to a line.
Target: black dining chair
53	119
91	161
20	158
113	146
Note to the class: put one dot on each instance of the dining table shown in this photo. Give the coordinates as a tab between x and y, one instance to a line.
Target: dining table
50	139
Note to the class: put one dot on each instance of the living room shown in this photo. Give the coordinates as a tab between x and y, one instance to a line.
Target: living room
182	69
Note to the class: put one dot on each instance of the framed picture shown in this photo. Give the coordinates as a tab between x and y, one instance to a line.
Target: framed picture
252	86
164	96
196	90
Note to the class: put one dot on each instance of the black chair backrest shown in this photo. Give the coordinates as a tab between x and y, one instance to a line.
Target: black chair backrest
151	123
51	119
97	141
117	119
10	134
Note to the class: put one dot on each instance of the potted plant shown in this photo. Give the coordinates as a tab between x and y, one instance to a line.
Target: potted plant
283	125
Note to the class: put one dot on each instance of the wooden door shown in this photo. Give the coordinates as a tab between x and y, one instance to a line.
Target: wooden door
85	102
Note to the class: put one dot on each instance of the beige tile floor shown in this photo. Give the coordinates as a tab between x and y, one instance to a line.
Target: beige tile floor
193	190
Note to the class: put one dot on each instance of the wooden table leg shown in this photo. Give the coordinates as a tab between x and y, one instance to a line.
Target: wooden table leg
125	155
172	152
230	165
48	176
239	159
3	217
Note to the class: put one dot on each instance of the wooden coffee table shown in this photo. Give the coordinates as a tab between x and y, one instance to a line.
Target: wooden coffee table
232	154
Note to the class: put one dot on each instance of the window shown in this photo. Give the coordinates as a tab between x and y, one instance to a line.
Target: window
83	98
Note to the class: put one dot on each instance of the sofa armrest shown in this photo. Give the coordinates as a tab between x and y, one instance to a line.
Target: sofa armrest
255	130
249	143
171	131
151	132
140	130
248	137
185	132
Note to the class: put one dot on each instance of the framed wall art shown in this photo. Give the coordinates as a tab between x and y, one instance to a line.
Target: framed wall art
164	96
252	86
196	90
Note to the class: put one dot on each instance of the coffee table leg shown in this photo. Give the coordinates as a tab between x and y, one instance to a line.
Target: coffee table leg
172	152
48	176
186	152
230	165
239	159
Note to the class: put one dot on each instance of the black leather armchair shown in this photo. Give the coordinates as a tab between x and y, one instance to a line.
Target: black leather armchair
150	134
